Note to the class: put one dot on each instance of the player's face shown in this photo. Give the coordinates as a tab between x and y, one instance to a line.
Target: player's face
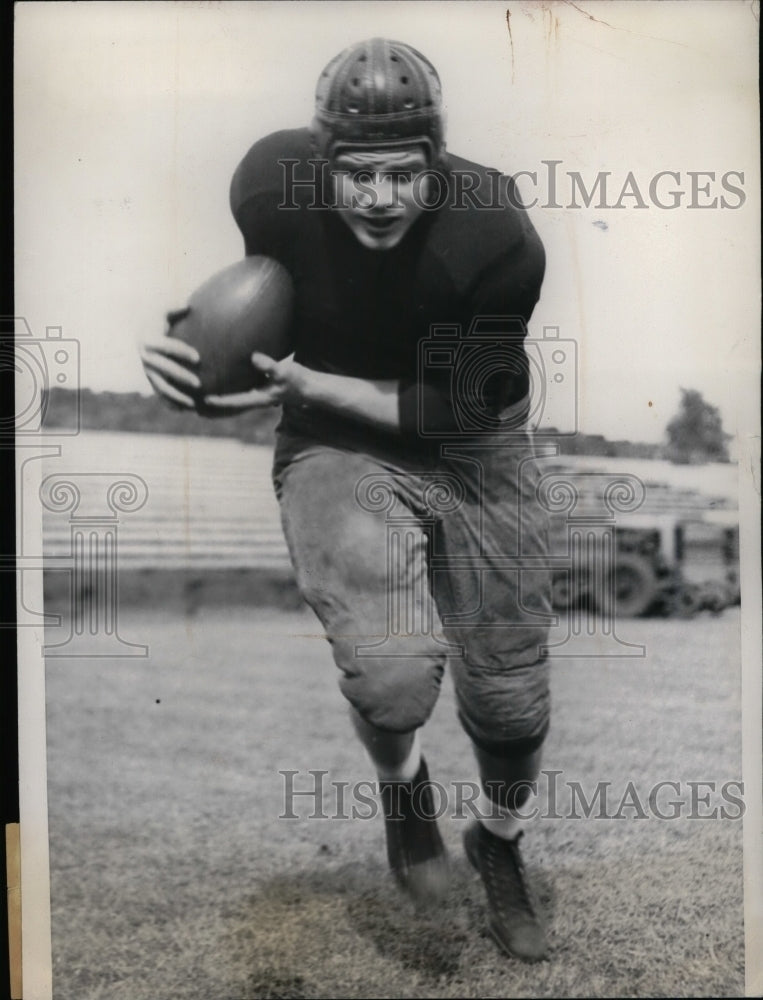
379	194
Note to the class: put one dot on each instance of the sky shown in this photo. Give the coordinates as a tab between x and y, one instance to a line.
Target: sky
131	117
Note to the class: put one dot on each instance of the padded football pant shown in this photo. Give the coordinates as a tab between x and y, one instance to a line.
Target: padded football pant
410	563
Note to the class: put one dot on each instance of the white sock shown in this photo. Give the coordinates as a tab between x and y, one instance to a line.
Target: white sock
408	769
496	819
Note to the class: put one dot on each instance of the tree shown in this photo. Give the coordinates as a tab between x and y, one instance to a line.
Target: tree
696	434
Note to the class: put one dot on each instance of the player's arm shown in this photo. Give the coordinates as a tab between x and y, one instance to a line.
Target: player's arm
507	287
369	401
511	285
373	402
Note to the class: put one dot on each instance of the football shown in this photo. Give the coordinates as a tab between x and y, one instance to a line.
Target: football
246	307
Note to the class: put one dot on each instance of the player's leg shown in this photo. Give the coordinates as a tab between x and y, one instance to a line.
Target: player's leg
415	851
507	738
508	780
395	756
391	677
496	604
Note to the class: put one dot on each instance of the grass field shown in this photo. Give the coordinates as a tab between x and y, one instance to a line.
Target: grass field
173	877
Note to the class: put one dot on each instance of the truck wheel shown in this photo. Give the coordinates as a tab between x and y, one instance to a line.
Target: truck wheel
636	586
562	593
715	596
686	601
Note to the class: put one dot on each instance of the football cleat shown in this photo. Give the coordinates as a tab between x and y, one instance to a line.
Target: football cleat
415	850
513	919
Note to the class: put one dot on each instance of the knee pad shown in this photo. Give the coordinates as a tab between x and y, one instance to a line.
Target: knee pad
397	692
506	712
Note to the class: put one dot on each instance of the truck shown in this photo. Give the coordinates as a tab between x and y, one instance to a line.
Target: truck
676	556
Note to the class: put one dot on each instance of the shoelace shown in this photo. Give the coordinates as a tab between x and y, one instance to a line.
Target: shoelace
495	855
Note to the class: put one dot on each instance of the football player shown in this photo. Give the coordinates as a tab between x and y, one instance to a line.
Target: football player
405	400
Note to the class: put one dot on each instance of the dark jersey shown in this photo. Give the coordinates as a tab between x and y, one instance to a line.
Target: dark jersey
373	313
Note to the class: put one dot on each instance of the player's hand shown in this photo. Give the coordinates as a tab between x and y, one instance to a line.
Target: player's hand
285	382
169	365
